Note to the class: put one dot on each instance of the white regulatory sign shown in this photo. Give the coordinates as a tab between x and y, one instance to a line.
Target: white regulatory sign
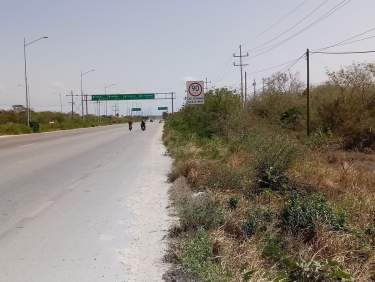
195	92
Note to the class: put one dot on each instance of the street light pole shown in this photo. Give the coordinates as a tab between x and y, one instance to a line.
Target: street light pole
26	92
28	115
82	100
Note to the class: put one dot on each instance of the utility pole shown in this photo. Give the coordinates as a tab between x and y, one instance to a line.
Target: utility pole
115	108
308	93
106	100
83	114
71	95
263	87
87	108
241	65
61	106
82	96
206	82
172	96
255	88
245	86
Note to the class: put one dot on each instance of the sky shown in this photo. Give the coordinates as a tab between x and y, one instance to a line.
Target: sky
156	46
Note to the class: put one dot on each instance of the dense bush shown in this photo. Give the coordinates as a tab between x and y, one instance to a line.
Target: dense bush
272	159
302	214
10	128
210	119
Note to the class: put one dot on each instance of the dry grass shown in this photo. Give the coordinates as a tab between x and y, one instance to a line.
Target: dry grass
346	179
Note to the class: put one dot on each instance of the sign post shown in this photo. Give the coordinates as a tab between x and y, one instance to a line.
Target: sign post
195	92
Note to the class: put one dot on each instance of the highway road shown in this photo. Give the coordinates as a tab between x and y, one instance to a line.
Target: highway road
83	205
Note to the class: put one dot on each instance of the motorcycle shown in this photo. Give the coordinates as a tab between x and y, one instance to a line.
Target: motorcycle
143	126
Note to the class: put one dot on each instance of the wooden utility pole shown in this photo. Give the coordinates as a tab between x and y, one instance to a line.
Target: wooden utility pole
172	97
263	86
245	86
61	106
308	93
255	87
241	65
206	82
71	95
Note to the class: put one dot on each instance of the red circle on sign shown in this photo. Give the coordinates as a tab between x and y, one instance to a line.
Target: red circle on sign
199	87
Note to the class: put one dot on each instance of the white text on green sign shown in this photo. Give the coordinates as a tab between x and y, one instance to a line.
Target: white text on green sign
113	97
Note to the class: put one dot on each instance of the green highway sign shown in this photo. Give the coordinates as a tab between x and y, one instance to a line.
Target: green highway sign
114	97
136	109
162	108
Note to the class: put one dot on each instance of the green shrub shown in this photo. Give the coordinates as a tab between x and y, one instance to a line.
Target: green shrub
233	202
302	213
210	119
272	159
199	211
318	271
256	220
197	258
14	128
290	118
272	248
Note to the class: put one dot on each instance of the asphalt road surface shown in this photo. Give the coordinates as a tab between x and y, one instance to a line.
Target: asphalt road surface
83	205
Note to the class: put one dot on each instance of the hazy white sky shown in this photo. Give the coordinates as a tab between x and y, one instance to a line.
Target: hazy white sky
154	46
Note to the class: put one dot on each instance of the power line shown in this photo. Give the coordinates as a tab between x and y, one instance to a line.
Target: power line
345	42
258	48
277	66
326	15
281	19
343	53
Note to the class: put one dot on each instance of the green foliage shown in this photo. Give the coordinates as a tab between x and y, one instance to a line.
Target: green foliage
255	220
197	258
290	118
208	120
11	128
302	213
272	159
272	248
318	271
12	122
233	202
199	211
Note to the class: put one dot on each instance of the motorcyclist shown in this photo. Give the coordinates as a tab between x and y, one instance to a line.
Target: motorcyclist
130	122
143	125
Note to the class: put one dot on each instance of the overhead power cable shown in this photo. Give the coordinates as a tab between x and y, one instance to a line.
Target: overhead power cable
324	16
287	63
290	28
283	18
347	41
343	53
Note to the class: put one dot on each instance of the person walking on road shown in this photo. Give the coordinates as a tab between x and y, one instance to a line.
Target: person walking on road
130	122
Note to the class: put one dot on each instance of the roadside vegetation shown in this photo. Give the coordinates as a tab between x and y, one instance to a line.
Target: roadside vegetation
13	122
258	200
